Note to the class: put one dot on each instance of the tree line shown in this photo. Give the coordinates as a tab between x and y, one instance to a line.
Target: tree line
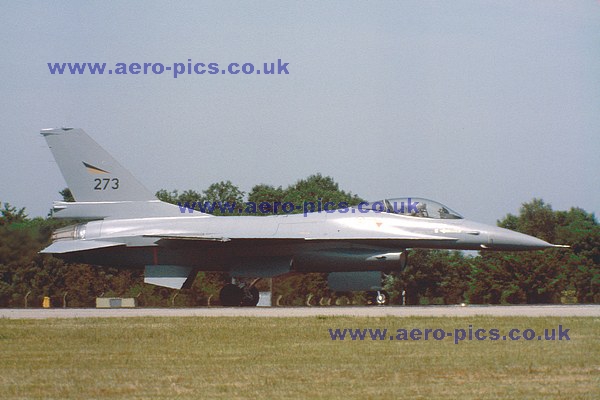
432	276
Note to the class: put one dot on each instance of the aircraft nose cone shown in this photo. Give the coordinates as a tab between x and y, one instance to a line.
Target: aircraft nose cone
508	240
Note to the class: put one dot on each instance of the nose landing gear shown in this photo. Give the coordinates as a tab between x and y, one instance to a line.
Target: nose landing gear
378	298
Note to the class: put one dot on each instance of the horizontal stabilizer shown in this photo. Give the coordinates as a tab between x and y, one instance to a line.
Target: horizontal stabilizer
70	246
171	276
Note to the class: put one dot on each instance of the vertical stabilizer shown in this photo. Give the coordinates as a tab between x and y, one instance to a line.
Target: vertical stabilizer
91	173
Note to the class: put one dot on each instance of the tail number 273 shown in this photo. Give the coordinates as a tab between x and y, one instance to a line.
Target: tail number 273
106	183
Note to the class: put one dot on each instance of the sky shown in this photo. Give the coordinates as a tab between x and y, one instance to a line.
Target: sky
480	105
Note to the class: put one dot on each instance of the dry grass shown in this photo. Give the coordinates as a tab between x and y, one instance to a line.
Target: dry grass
142	358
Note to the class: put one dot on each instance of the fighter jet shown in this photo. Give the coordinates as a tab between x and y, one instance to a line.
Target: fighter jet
130	228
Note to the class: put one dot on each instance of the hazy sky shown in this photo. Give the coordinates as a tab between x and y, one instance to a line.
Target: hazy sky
481	105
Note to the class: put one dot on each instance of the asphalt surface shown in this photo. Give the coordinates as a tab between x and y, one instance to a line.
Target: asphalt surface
395	311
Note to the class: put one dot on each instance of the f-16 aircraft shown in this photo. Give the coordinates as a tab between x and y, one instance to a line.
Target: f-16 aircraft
131	228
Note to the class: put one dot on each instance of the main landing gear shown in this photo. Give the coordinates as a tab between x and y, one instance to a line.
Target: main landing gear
242	294
378	298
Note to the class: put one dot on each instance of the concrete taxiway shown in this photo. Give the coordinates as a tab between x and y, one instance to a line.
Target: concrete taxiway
281	312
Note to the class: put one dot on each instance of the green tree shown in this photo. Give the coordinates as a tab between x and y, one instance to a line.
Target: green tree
314	189
542	276
432	276
535	218
67	195
223	191
317	188
174	197
268	195
581	231
220	192
10	214
532	277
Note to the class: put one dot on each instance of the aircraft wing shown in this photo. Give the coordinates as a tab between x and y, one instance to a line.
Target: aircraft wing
403	242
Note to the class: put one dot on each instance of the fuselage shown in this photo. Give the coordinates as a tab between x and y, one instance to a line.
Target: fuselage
222	243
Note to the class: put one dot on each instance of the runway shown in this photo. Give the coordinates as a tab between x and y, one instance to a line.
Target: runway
592	310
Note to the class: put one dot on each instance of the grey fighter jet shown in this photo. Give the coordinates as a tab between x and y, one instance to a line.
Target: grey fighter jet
131	228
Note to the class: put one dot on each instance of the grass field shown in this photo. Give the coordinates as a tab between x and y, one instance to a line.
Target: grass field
192	358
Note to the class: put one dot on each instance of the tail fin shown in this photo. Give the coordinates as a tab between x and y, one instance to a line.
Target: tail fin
100	185
91	173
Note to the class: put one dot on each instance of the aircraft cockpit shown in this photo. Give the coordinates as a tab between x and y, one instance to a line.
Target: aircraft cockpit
419	207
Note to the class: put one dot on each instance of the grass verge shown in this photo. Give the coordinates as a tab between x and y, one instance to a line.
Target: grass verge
190	357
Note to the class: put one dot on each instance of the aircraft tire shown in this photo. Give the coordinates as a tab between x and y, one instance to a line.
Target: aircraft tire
231	295
250	297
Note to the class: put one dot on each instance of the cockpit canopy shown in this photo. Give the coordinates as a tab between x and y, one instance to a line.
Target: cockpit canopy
419	207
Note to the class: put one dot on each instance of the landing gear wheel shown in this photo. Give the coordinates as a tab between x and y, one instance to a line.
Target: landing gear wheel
231	295
378	298
250	297
383	298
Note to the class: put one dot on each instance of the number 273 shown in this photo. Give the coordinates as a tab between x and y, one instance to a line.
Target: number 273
106	183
